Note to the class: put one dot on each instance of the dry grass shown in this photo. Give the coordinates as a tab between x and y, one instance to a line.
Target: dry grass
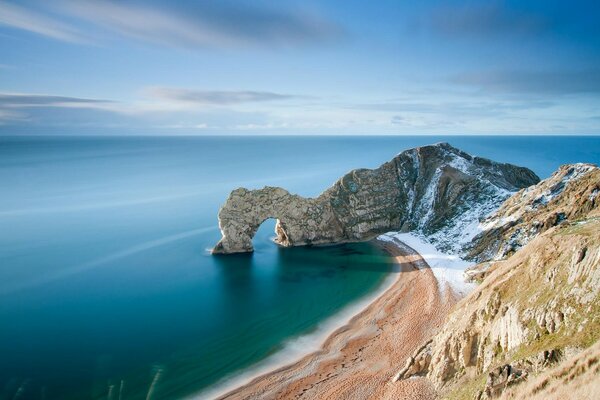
576	378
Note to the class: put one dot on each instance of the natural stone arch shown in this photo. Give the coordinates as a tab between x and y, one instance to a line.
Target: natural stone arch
298	219
421	189
281	237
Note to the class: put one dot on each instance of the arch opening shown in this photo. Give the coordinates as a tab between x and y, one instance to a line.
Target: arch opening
263	236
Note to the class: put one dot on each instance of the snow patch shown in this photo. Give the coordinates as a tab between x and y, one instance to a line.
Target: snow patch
410	191
428	200
496	222
447	268
461	164
463	227
575	172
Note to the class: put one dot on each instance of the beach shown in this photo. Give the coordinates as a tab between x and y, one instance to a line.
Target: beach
360	359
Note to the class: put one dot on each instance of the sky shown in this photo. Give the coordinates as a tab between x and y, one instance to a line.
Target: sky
299	67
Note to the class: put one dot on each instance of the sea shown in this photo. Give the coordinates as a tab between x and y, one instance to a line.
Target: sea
107	286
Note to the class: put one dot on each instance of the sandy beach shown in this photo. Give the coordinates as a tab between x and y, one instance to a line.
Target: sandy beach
359	360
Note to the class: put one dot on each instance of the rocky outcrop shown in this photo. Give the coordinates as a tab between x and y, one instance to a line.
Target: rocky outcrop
535	209
436	190
299	220
574	378
500	379
536	304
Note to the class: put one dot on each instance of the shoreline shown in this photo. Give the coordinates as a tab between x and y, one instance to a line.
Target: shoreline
310	343
358	358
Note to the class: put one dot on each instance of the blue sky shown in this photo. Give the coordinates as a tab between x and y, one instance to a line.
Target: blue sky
299	67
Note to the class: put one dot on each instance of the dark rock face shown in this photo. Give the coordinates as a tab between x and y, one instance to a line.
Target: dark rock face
500	379
570	193
426	189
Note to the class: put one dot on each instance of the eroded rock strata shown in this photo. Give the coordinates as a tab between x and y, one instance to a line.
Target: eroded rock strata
436	190
538	302
531	328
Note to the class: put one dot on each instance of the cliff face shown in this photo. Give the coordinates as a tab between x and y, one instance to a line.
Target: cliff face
436	190
538	303
535	209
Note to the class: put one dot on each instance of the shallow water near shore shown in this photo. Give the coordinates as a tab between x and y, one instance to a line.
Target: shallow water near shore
106	286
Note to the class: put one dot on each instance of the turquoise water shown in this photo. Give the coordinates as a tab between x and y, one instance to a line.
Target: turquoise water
104	275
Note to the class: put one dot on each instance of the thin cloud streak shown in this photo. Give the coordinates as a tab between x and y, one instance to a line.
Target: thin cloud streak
206	24
216	97
33	100
21	18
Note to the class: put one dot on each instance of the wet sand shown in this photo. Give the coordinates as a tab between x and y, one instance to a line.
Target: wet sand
359	360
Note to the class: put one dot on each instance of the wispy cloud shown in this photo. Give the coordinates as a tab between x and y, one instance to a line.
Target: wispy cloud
216	97
26	109
174	111
11	116
34	100
536	82
22	18
219	24
206	24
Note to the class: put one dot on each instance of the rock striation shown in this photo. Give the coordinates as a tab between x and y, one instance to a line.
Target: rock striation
535	209
437	190
539	299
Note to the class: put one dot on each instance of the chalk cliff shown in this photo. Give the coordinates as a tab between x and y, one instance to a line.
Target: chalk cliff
538	304
438	190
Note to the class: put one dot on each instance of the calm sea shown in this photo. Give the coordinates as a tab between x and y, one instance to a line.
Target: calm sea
106	286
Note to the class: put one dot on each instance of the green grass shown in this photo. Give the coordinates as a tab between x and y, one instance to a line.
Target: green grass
532	291
466	389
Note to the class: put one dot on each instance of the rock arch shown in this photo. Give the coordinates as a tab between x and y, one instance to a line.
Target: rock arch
298	219
425	189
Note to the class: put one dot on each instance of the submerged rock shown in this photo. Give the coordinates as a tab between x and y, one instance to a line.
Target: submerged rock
436	190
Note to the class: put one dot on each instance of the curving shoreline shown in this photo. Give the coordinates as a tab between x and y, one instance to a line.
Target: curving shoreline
359	359
299	347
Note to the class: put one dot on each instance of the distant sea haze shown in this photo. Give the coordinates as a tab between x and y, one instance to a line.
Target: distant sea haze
105	278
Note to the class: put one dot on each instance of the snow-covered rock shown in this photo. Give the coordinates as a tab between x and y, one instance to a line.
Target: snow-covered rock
437	191
536	305
570	192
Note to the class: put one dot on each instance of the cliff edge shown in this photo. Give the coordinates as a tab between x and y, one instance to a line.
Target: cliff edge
537	307
437	190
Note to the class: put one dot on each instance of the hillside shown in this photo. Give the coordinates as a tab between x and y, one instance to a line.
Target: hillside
537	307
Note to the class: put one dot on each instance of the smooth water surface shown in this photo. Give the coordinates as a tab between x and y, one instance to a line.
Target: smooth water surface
106	286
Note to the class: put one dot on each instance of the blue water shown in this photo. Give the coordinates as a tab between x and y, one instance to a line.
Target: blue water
105	281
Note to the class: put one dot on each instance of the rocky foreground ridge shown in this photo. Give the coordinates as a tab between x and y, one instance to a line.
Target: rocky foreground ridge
438	191
522	333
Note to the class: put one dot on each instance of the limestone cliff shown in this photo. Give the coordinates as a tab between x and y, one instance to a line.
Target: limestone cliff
536	209
435	190
538	303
